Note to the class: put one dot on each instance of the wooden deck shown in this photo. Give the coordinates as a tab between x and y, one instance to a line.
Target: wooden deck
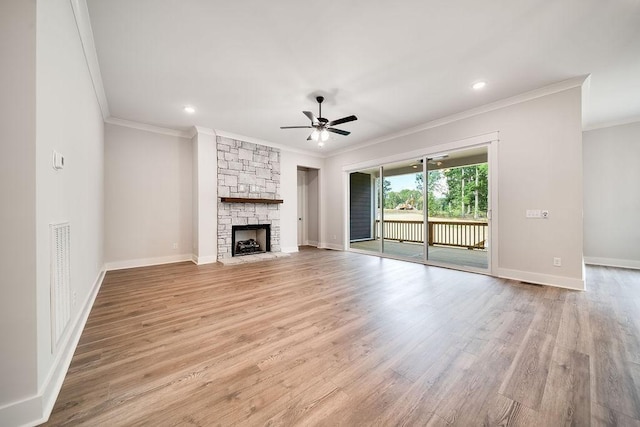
456	256
338	338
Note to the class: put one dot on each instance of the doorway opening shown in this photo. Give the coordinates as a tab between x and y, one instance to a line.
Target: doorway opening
308	206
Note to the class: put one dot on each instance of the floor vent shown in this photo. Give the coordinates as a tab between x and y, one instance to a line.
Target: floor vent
60	287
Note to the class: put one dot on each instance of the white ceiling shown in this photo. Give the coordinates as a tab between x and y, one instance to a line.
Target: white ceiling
251	66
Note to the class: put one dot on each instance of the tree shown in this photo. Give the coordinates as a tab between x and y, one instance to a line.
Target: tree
386	186
466	191
435	189
419	181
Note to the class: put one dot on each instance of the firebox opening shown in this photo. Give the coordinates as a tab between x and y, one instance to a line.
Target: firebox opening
250	239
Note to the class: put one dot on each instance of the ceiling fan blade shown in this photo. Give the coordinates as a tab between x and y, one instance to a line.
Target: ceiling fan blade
338	131
311	117
296	127
342	120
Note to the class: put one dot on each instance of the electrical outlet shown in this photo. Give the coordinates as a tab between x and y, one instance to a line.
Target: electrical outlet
557	262
73	298
174	246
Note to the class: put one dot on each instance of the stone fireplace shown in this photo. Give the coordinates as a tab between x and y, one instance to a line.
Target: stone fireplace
248	174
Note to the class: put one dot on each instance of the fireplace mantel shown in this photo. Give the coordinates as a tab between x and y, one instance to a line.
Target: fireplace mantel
249	200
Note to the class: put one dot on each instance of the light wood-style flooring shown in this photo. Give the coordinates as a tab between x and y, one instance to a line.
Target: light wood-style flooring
339	338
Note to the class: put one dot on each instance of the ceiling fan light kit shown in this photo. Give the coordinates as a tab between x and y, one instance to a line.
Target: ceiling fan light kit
322	126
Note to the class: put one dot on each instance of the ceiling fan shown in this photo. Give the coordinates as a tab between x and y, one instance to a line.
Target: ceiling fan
321	126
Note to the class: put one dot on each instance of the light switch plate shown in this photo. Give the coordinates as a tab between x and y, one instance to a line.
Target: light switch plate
58	160
534	213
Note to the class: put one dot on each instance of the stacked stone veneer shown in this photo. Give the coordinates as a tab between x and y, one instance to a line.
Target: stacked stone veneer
247	170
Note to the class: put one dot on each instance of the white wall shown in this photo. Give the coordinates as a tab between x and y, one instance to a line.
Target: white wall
52	106
540	167
18	366
611	196
289	193
205	196
148	197
69	121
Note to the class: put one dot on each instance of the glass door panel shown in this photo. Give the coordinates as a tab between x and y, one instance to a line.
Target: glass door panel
458	194
364	210
403	213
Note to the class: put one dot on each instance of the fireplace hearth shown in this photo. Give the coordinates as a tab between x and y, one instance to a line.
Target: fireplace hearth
250	239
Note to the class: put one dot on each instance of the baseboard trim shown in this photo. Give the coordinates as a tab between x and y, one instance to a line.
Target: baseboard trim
211	259
37	409
289	249
542	279
612	262
331	246
26	412
145	262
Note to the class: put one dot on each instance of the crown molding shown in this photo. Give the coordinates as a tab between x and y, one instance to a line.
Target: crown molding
83	23
612	123
189	134
149	128
205	131
506	102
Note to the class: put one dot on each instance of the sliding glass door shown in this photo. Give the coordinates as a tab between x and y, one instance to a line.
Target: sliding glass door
432	209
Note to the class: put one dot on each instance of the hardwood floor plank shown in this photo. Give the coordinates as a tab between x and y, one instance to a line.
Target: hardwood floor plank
613	385
337	338
464	401
305	408
604	417
418	404
574	331
567	395
525	382
514	323
502	411
628	315
547	317
368	397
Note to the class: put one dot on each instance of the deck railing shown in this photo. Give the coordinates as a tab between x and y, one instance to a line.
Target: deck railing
467	234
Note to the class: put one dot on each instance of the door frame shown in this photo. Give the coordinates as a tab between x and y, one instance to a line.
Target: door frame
312	199
302	208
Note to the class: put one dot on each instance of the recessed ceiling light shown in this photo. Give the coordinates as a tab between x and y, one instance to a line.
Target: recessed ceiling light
479	85
189	109
320	144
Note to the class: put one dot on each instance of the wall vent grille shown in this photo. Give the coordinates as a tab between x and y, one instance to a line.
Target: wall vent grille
60	286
